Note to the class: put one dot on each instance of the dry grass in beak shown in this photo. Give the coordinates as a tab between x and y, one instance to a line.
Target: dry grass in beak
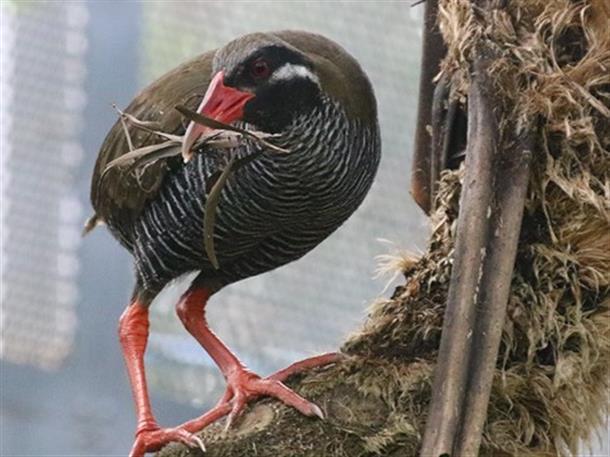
259	137
224	137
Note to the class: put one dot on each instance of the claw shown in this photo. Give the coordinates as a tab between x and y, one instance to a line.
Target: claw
154	439
239	403
190	440
199	443
315	409
229	422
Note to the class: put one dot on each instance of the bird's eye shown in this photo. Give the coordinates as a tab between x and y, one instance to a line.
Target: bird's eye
259	69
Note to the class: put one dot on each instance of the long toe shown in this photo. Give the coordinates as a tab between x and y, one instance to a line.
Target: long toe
154	439
277	389
243	386
247	386
307	364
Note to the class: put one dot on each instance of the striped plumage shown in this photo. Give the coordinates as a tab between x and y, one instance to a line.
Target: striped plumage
272	211
319	105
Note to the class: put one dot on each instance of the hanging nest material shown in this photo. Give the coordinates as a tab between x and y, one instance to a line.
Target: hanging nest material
550	388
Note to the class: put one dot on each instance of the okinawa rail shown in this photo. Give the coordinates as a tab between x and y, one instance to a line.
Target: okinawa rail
316	102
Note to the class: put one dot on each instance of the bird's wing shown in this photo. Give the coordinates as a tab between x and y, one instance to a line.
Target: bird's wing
121	196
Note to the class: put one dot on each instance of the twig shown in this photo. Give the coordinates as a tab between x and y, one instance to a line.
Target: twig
143	156
125	128
440	128
209	122
209	215
433	50
143	125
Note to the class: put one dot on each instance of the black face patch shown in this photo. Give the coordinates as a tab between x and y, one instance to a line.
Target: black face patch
277	101
275	56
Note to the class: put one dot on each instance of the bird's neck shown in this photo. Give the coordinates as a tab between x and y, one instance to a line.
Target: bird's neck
325	135
325	149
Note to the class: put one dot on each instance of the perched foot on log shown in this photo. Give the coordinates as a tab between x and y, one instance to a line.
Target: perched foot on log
243	386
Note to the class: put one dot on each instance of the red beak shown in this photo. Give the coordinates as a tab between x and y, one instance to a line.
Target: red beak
220	103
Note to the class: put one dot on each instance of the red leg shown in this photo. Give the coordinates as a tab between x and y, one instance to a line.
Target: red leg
133	334
242	384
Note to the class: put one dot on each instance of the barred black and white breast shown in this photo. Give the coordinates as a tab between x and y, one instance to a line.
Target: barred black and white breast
299	86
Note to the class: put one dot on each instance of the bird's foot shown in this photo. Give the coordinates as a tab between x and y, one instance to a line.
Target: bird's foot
151	439
244	386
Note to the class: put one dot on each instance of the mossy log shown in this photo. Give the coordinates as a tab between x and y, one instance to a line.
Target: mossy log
550	386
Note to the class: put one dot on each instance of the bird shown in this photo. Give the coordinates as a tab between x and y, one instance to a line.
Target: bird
317	103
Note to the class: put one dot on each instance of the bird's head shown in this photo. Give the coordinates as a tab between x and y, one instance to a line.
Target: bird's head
270	79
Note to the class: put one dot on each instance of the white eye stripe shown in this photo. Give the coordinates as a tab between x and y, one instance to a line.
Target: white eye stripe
290	71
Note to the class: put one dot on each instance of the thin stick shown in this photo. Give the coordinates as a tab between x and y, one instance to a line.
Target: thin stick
143	125
125	128
433	50
439	124
209	215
